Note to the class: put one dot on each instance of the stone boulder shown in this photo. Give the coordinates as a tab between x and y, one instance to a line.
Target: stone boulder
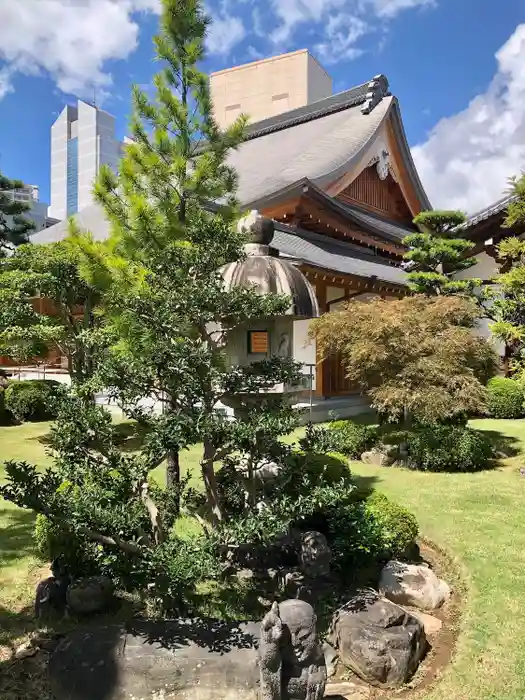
379	641
414	585
90	595
379	457
175	660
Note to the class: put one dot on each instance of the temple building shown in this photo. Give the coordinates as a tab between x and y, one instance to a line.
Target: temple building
337	177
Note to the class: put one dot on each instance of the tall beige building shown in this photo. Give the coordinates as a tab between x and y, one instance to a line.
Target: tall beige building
268	87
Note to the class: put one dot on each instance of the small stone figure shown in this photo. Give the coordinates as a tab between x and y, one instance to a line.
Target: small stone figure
292	665
316	555
50	597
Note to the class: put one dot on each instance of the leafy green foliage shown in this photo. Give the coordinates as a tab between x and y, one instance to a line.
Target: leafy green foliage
505	398
47	304
398	526
344	436
448	448
168	314
14	226
352	439
516	209
505	302
436	254
416	355
32	399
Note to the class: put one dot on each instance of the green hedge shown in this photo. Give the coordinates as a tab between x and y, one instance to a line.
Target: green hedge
341	436
505	398
397	525
448	448
32	399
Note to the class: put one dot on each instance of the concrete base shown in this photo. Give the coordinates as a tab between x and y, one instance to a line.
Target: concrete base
323	410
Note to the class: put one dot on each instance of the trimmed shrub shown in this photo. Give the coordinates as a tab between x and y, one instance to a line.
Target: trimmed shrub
5	416
53	542
448	448
397	525
32	399
505	398
352	439
317	438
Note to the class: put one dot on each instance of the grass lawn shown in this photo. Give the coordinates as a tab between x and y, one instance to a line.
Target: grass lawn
478	518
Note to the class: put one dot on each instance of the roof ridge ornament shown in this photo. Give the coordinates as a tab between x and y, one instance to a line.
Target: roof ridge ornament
377	89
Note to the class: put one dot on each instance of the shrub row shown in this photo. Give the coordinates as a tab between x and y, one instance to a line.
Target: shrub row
436	448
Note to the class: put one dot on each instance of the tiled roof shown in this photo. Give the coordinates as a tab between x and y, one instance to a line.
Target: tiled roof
330	254
320	149
496	208
376	223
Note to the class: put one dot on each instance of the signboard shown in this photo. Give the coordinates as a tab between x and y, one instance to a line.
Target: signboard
258	342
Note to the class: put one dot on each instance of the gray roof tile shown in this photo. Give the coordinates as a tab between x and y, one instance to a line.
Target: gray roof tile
496	208
330	254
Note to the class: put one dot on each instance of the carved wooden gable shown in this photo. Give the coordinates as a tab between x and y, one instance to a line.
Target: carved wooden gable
382	196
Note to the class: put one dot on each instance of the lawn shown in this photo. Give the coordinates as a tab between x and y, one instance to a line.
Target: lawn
477	518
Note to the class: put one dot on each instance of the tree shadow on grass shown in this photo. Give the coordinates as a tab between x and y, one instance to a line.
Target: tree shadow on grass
504	445
16	535
128	436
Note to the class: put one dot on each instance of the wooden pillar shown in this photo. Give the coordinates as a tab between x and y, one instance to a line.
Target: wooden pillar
322	383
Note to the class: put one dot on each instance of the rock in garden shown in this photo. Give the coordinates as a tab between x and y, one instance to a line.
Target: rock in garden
432	625
315	554
379	641
379	458
90	595
415	585
348	690
173	660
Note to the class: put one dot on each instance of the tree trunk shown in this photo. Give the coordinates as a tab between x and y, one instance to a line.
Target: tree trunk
210	483
173	461
173	469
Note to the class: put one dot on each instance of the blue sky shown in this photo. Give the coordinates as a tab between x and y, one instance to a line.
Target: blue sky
457	67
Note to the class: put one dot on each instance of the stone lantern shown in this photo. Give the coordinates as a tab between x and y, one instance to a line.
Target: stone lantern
266	273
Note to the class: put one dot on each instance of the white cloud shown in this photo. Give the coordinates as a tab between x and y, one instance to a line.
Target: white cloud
225	32
390	8
69	39
467	158
340	22
342	32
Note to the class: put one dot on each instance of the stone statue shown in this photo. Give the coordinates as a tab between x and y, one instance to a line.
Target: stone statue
50	597
292	665
316	555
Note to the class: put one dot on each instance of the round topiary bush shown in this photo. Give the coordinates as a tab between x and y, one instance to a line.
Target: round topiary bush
352	439
448	448
505	398
32	399
398	527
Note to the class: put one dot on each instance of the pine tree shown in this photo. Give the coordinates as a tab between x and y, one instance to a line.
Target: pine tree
14	227
506	307
177	159
516	210
436	253
167	311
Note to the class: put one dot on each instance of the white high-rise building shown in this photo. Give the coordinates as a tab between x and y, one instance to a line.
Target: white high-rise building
82	139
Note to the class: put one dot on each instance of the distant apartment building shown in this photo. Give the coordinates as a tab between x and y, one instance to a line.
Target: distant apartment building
29	194
268	87
82	139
